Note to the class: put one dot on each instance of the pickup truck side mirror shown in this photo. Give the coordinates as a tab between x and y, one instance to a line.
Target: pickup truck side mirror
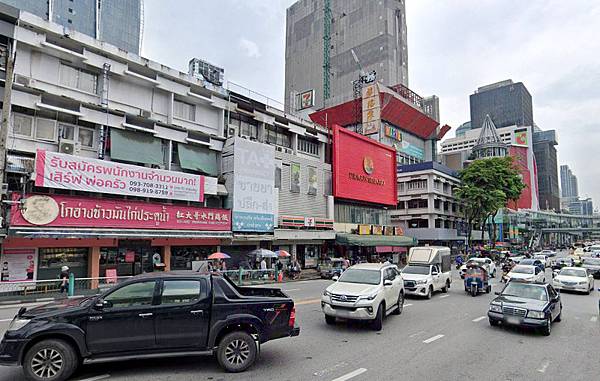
434	273
102	304
497	292
387	282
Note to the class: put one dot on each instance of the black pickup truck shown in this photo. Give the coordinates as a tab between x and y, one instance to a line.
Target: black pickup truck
167	314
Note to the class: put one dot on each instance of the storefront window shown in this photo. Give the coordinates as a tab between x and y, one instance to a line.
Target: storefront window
52	259
130	258
183	256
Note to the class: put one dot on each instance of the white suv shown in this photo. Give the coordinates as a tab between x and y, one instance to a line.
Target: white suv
368	291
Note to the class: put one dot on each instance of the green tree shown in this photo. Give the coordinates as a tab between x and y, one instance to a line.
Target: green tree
487	185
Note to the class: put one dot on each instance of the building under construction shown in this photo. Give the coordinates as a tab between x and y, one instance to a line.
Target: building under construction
320	37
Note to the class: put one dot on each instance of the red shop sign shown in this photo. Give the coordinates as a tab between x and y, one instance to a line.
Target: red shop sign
67	211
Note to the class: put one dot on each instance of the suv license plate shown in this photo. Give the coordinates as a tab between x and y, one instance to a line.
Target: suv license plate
513	320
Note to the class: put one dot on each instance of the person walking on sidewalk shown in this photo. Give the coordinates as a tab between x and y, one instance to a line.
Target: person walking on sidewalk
64	279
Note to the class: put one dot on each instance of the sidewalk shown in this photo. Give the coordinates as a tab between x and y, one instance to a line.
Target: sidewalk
17	301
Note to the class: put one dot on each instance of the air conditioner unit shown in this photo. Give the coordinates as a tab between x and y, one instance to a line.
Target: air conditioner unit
67	147
145	113
22	80
280	149
288	150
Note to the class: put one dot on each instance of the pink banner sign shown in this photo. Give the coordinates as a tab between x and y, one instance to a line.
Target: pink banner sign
64	171
67	211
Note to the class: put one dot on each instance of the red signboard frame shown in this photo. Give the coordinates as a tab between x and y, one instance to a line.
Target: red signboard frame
363	169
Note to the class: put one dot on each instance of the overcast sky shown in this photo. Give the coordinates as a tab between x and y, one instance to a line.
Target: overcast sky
552	46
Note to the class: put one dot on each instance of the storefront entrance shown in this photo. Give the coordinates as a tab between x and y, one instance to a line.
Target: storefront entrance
131	257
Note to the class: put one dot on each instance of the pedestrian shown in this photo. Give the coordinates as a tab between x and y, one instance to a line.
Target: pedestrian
64	279
345	264
223	265
263	264
279	265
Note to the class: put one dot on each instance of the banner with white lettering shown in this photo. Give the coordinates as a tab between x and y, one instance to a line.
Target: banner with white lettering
64	171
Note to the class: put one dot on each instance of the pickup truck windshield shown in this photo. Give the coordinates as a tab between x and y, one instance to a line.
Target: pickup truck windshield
360	276
422	270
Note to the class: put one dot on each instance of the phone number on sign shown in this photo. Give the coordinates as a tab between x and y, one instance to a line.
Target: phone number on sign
149	191
135	184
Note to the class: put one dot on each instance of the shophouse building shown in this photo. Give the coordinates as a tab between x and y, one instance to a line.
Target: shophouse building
111	159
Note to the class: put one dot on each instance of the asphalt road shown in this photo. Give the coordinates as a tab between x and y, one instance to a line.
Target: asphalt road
445	338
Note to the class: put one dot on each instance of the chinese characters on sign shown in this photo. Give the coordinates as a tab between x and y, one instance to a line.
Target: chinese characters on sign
371	109
64	171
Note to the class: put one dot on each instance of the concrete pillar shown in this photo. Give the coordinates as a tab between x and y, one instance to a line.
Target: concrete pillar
167	257
94	266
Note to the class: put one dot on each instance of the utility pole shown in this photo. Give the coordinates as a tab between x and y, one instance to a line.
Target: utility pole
6	105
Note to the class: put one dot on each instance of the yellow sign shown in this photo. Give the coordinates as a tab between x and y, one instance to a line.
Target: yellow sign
377	230
371	109
364	229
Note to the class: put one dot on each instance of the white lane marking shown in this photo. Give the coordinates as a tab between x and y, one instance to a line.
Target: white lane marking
5	319
292	289
44	299
544	366
444	296
432	339
408	305
416	334
478	319
96	378
594	318
350	375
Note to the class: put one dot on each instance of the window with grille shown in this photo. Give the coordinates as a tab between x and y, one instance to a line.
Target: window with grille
78	78
23	125
184	110
279	136
308	146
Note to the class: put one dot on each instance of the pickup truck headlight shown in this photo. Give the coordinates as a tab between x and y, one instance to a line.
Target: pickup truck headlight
17	324
536	314
495	308
421	281
368	297
326	293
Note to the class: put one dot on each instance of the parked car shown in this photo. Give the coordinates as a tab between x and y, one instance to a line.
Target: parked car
159	314
428	270
367	291
574	279
525	304
486	263
534	262
549	253
527	273
592	265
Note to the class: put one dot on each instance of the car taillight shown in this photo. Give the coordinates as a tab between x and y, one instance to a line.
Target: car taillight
292	321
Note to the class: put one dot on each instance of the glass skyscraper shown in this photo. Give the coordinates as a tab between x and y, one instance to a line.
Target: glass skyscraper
118	22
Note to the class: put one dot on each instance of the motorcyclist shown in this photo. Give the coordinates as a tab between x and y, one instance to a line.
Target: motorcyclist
459	261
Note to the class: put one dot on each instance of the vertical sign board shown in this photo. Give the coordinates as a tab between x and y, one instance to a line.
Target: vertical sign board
253	186
371	109
306	99
19	265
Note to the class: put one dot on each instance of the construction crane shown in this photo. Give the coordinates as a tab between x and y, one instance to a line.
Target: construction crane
326	49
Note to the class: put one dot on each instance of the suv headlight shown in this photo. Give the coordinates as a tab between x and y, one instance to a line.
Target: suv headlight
582	283
17	324
495	308
326	293
536	314
423	281
368	297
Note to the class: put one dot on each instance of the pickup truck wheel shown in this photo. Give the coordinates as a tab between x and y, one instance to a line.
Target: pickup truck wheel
493	322
330	320
446	287
399	304
429	292
50	360
377	323
236	351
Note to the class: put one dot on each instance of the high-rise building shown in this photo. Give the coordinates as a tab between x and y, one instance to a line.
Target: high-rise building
568	183
321	36
507	103
117	22
544	149
583	207
463	128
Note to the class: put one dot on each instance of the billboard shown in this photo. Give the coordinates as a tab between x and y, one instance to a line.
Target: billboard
253	186
87	212
524	162
363	169
65	171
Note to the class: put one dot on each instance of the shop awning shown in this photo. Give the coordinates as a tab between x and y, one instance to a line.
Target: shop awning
374	240
135	147
198	159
